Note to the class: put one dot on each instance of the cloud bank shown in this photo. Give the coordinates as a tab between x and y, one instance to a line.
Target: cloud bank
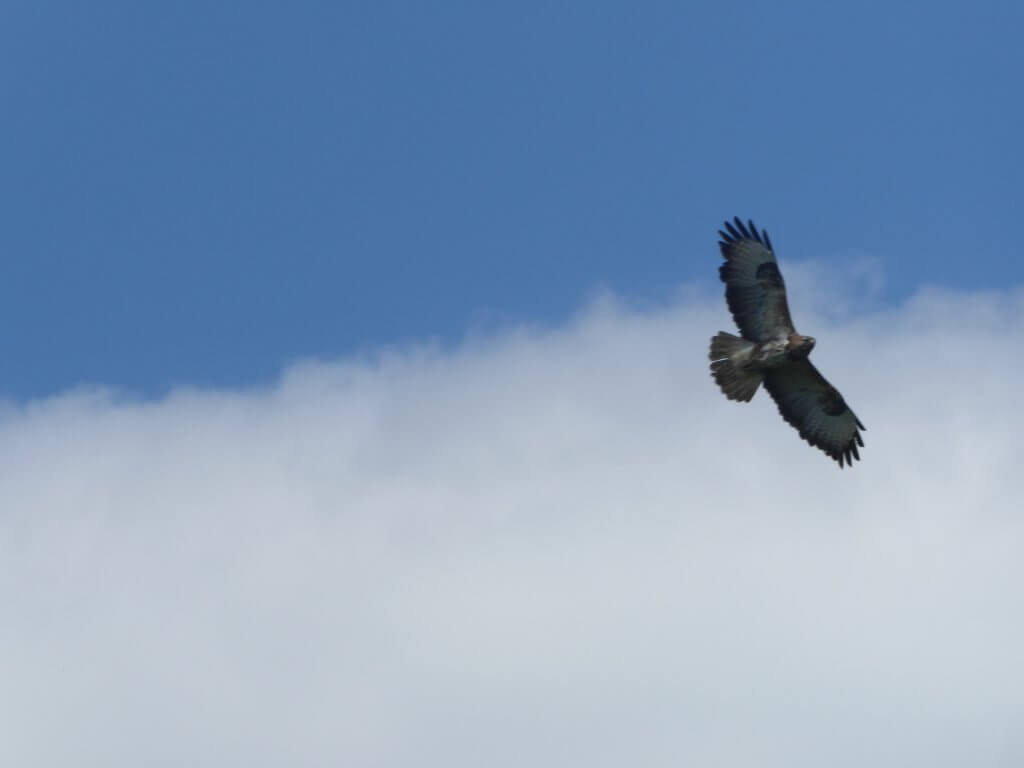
547	547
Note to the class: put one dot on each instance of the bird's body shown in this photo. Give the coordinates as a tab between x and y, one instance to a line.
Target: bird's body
770	351
770	354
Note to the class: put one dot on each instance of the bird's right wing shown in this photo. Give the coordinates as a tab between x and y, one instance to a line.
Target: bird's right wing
754	289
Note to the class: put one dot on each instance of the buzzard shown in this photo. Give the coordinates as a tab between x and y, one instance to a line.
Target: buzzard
770	350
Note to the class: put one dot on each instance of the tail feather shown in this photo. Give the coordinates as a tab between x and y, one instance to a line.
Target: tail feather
726	354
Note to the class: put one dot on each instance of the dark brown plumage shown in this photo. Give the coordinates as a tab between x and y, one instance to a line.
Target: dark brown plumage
769	349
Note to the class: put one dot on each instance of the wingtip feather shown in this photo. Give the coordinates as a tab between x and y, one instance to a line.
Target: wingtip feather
753	231
736	230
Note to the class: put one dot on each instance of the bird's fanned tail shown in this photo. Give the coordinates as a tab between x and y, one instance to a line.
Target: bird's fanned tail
726	356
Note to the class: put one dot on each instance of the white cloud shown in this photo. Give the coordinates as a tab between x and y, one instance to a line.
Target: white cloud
548	548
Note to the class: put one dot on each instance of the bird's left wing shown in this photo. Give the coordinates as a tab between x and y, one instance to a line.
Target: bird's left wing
817	411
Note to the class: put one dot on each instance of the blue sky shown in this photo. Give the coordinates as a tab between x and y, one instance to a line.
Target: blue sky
200	193
554	543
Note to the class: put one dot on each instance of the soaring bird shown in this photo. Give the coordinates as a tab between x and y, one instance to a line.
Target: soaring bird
770	350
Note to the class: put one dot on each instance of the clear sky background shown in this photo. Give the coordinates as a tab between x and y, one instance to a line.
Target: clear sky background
199	193
355	407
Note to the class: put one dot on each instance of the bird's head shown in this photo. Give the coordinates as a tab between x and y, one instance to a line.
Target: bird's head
800	346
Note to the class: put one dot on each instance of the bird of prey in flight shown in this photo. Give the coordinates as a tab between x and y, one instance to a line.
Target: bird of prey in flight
770	350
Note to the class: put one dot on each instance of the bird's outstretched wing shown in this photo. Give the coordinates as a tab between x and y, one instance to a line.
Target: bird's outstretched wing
819	413
754	289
